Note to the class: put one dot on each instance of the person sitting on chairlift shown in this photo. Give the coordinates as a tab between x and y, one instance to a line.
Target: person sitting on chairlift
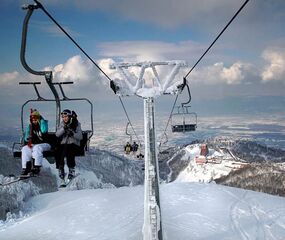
135	147
35	144
128	148
70	134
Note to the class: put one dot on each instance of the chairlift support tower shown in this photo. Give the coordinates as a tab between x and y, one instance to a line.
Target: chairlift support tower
148	89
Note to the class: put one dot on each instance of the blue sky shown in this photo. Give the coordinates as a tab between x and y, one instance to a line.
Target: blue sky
246	65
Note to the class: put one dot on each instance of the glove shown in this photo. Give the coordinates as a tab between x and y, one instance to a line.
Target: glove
69	132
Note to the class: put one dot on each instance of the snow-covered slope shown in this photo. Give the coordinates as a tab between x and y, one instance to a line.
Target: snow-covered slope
189	211
98	169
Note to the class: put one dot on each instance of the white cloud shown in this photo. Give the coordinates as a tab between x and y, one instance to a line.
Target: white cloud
275	70
104	64
74	69
233	74
218	73
9	78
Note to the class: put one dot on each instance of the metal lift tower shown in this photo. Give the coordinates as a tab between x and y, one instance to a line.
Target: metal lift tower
149	86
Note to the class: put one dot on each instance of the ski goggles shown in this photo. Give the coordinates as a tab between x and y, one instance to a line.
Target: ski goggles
66	112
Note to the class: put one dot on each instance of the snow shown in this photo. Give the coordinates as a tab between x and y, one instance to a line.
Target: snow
191	208
147	85
189	211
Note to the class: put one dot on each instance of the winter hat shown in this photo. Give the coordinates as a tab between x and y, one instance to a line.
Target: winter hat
35	114
66	112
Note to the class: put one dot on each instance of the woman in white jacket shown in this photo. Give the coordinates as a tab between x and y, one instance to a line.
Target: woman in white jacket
70	134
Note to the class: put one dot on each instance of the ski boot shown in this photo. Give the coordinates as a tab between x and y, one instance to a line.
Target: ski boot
26	171
35	171
71	173
61	173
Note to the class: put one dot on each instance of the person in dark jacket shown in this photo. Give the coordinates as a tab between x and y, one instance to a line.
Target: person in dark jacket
35	144
70	134
135	147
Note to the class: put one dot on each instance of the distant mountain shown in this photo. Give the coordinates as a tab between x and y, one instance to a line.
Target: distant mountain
260	177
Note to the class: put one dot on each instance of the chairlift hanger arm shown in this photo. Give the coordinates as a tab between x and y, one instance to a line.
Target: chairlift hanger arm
30	9
189	95
217	38
127	133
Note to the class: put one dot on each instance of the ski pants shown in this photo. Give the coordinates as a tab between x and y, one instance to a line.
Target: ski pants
69	151
36	152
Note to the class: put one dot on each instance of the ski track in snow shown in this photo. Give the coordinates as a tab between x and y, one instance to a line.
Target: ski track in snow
263	220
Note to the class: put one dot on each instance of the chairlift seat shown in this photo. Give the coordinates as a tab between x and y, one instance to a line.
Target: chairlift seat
54	142
184	127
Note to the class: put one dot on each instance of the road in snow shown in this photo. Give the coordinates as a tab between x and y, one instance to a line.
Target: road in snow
189	211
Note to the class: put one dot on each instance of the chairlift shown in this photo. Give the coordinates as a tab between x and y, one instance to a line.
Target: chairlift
162	148
183	120
139	155
54	86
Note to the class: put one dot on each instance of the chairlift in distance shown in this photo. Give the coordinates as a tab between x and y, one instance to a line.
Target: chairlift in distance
162	148
127	148
183	120
139	155
51	138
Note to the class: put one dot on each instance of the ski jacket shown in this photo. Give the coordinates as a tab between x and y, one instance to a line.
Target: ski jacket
68	135
128	148
38	132
135	147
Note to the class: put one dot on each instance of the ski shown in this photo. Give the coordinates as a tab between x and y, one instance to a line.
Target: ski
65	183
17	179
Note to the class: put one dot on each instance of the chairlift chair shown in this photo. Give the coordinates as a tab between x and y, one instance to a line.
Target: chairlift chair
162	147
139	155
184	120
51	138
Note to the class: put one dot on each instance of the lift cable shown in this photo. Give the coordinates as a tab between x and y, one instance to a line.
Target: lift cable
216	38
185	80
168	121
130	121
77	45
